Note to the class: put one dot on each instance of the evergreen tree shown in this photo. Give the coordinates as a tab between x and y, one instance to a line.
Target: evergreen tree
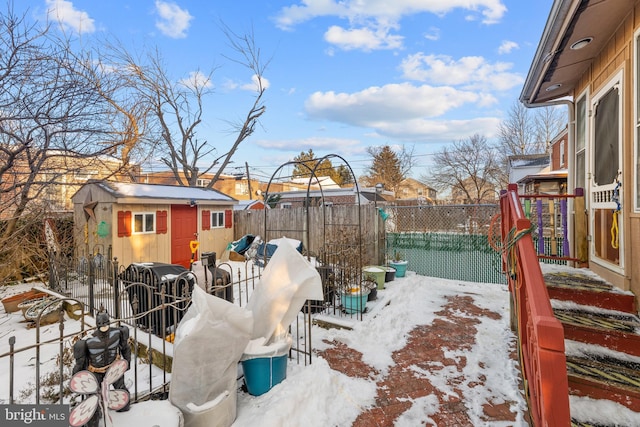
340	175
387	167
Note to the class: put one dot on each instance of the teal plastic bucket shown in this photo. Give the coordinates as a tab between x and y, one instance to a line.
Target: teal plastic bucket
374	273
262	373
354	303
401	267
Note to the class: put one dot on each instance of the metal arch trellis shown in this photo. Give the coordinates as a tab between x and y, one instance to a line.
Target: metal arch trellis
338	269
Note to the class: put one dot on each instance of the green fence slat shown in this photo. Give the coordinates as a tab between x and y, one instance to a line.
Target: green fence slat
467	257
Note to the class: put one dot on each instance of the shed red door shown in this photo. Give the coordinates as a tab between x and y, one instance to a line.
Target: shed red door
184	228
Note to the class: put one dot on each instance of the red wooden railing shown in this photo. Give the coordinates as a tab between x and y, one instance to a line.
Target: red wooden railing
540	334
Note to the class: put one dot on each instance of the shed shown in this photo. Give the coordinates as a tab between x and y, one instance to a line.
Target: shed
244	205
149	222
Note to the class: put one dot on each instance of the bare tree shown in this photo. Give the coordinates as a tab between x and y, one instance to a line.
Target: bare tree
388	167
467	169
53	124
176	108
527	131
549	122
517	134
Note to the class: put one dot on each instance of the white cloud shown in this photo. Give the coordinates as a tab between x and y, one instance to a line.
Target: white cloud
317	144
507	46
469	72
439	130
174	21
391	102
366	39
256	83
68	17
197	79
491	11
405	111
433	34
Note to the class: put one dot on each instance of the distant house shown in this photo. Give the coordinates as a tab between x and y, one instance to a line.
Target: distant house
418	192
236	186
552	179
60	176
150	223
521	166
298	198
474	191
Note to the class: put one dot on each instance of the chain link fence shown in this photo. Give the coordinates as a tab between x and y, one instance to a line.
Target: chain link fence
445	241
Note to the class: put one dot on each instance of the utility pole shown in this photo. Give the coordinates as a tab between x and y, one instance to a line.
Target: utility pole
246	165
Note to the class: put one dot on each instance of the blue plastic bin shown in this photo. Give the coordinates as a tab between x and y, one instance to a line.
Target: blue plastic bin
265	367
262	373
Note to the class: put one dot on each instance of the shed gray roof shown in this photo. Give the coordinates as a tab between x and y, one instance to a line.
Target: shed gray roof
156	191
529	160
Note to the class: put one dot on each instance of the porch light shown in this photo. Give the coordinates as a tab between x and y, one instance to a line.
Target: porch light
581	43
553	87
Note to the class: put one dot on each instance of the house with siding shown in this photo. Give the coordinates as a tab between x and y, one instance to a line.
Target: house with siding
237	186
588	60
149	222
552	178
415	191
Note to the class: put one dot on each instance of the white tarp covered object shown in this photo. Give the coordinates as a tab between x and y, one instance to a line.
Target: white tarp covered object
215	334
287	282
209	342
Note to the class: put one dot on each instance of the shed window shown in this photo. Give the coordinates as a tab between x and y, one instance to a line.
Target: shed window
217	219
144	222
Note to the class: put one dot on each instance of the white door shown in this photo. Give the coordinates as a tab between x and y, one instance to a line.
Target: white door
605	172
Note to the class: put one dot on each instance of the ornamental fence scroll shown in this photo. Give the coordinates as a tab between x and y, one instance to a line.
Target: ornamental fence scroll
149	306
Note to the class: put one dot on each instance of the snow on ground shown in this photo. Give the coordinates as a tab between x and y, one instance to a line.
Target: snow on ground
315	395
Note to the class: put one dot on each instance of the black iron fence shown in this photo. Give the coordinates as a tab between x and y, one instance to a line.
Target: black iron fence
149	298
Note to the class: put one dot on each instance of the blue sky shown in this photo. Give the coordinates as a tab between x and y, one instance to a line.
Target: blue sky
343	74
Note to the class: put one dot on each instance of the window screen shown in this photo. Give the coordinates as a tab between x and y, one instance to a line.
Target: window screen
606	128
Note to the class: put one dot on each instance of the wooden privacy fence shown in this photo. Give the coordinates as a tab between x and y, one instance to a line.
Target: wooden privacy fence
317	227
540	334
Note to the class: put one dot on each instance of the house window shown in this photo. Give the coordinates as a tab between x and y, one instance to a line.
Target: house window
202	182
285	206
144	222
84	175
242	188
217	219
561	153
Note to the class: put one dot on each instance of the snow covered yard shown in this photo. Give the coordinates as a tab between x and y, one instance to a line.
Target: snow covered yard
468	375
